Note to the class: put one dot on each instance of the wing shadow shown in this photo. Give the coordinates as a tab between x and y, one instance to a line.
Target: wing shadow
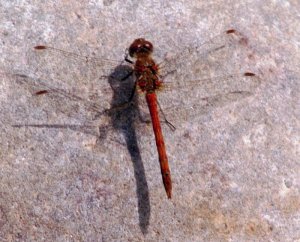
122	120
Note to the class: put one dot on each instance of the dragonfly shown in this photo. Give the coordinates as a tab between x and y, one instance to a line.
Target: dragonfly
151	78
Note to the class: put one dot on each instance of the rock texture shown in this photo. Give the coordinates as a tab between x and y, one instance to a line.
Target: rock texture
70	173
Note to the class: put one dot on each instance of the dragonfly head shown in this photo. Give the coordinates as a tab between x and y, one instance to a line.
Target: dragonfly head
140	47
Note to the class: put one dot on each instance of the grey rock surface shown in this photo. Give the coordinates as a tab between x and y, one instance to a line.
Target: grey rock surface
70	173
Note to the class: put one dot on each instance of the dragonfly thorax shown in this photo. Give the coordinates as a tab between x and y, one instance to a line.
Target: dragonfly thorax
146	72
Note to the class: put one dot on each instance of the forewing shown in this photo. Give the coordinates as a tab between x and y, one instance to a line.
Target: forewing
71	69
220	55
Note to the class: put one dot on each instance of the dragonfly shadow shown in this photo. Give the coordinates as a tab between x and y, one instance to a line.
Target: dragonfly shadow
123	116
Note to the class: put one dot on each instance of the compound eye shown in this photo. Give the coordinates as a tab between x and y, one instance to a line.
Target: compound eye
148	46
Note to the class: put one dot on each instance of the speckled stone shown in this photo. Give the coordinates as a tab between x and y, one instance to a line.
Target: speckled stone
70	173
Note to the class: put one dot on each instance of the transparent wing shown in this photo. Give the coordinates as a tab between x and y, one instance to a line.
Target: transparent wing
196	80
220	50
180	102
38	103
77	103
53	64
183	102
39	87
212	74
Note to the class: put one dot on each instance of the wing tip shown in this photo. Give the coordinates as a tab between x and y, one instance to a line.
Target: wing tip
249	74
40	47
41	92
230	31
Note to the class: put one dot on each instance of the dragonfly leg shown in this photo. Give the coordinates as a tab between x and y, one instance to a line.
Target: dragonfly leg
171	126
129	61
126	57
